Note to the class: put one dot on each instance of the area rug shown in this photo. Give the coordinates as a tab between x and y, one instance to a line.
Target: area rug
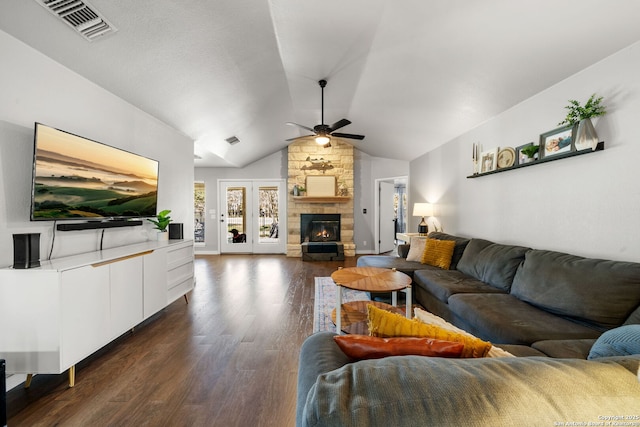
325	302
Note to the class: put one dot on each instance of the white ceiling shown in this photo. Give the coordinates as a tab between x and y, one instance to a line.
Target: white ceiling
410	74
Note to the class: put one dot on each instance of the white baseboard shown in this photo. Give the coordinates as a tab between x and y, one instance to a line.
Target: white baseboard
197	252
367	252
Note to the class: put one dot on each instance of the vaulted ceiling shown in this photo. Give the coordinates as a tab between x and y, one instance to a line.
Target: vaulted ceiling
409	74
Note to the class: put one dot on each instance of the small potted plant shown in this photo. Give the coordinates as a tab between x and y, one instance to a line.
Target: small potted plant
161	223
586	136
530	151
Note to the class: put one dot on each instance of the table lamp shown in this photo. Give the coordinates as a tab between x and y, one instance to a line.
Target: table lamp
423	210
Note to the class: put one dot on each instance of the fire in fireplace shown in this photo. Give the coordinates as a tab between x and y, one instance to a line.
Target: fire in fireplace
319	228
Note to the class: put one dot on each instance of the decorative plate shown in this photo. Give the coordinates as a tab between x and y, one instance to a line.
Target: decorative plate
506	157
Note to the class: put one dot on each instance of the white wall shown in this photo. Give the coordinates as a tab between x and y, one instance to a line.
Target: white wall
587	205
35	88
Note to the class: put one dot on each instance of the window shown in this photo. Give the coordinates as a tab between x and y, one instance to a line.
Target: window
199	213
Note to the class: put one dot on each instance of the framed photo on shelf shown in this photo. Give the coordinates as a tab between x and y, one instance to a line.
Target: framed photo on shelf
488	160
557	141
522	158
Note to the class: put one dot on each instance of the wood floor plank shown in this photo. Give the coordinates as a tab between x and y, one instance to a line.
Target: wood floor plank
227	358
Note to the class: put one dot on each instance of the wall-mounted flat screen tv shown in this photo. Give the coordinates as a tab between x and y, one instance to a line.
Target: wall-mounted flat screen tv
77	178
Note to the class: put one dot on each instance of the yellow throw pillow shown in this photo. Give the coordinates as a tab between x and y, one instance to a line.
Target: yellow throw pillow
385	324
438	253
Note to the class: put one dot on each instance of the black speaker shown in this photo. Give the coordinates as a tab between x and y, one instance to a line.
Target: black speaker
26	250
175	231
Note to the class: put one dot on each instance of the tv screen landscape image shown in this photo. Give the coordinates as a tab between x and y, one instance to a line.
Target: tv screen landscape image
77	178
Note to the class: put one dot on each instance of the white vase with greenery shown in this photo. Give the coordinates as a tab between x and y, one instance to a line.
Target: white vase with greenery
585	135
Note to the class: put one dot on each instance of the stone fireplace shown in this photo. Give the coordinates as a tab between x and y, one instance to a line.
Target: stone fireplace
306	158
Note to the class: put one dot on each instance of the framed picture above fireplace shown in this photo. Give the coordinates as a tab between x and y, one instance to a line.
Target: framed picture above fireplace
321	186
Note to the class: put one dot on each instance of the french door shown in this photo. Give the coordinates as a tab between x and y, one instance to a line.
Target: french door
253	216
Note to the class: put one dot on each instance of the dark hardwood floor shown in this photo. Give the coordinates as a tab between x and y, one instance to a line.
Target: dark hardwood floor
228	358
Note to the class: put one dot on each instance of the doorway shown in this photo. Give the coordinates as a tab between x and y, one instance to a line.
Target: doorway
253	216
391	212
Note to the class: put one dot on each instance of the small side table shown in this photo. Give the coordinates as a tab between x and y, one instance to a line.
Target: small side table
406	237
371	279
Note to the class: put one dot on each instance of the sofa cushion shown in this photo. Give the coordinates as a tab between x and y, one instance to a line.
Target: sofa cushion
438	253
458	250
389	261
385	324
492	263
596	291
444	283
574	349
502	318
366	347
634	317
621	341
418	391
431	319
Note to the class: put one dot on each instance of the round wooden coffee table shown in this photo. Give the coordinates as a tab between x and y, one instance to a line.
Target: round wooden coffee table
354	316
371	279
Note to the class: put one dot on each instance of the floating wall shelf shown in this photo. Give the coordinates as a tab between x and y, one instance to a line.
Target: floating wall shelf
599	147
321	199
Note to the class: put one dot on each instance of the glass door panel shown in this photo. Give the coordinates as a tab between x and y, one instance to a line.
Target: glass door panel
267	198
235	230
199	211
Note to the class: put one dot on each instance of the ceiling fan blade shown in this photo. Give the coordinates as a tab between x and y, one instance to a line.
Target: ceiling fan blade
340	124
300	137
300	126
347	135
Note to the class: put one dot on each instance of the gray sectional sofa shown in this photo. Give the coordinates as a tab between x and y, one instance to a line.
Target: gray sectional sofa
556	303
577	321
334	390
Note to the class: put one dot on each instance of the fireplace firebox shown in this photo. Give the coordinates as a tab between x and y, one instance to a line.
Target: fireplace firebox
319	228
320	237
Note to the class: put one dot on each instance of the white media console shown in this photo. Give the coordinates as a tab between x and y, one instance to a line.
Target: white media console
55	315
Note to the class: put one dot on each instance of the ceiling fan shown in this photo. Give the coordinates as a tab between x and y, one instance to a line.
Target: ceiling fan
322	132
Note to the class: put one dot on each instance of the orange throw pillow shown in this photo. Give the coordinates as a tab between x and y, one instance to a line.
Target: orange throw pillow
366	347
438	253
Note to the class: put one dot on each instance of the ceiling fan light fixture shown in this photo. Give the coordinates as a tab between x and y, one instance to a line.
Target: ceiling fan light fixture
322	139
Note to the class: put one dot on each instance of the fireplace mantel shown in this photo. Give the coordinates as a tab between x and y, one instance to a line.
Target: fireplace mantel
321	199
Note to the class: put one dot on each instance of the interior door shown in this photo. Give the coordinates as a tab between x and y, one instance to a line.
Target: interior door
253	216
386	217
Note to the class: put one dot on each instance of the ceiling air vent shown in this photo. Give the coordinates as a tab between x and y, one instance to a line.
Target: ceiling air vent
232	140
80	16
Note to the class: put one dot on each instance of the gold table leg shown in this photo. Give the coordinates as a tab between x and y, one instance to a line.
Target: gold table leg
27	382
72	376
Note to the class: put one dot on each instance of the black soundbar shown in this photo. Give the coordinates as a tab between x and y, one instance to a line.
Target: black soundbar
92	225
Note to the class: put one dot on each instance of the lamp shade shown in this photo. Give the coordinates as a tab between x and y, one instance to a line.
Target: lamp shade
422	209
